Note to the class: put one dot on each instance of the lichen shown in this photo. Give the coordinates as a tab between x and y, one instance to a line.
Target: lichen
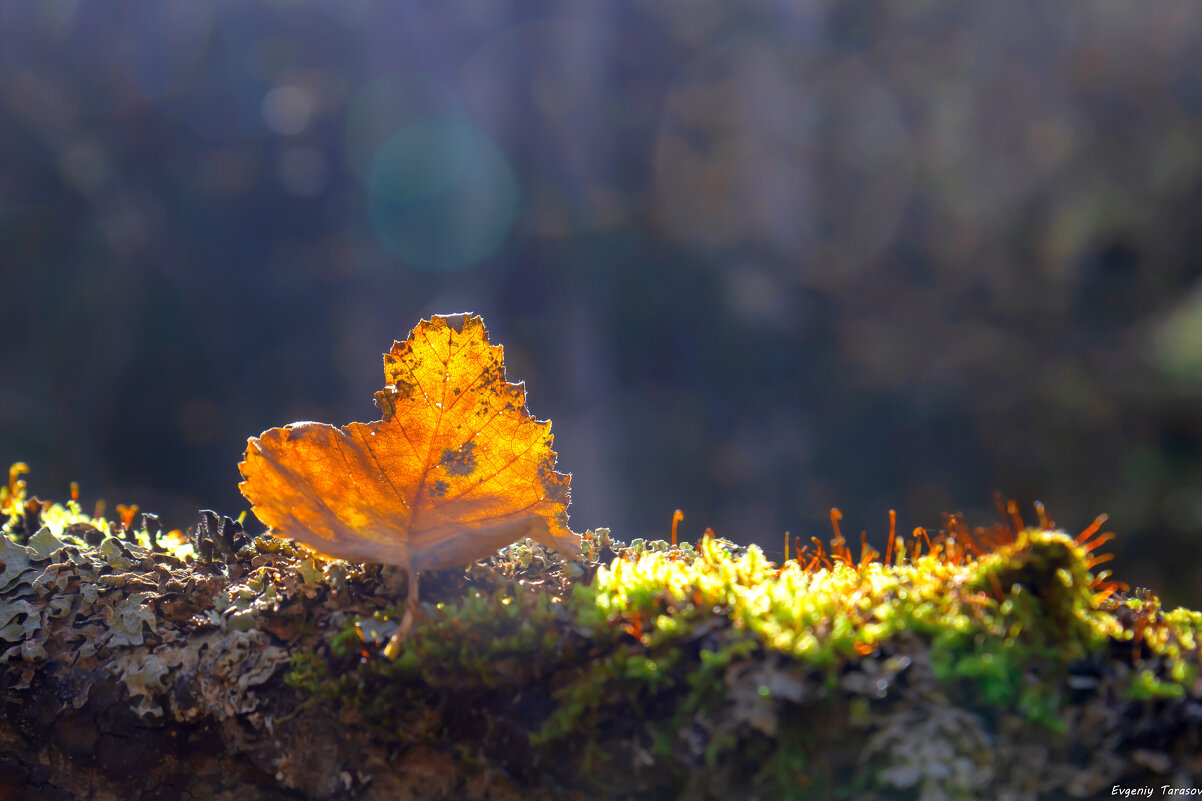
992	663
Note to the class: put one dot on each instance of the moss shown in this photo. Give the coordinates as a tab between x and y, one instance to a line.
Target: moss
664	641
663	671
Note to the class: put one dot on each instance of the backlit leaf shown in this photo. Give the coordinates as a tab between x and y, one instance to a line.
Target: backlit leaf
456	469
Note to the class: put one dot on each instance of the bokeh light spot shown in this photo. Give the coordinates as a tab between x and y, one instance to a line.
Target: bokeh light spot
441	195
85	165
1177	340
286	110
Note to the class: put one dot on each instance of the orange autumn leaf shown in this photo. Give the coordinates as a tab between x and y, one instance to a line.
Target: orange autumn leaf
456	469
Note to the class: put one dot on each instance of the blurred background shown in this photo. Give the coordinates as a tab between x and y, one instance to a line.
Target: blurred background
753	259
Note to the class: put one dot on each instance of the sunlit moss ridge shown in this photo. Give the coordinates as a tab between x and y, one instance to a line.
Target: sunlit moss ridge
719	641
650	670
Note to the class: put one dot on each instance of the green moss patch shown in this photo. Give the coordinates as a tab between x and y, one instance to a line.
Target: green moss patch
661	668
641	670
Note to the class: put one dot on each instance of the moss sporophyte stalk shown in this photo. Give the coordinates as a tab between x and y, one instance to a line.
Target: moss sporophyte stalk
658	670
718	640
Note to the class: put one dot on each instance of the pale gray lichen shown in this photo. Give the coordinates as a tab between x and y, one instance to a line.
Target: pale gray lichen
942	752
210	675
63	603
127	618
19	620
500	647
15	564
44	543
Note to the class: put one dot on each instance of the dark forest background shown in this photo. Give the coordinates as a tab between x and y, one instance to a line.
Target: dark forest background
753	259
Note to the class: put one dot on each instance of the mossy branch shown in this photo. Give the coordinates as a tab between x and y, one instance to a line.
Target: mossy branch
641	670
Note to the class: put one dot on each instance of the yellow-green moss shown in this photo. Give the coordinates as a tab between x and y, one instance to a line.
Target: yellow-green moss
661	637
660	668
